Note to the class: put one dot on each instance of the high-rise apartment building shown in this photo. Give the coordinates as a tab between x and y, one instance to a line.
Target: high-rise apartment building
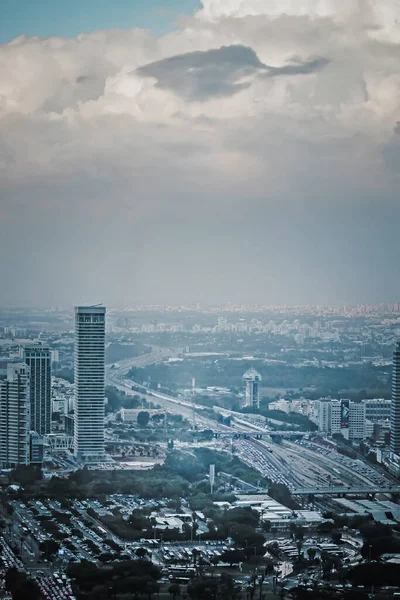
395	408
252	379
89	366
14	416
38	359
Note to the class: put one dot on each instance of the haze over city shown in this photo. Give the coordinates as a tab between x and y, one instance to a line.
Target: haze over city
230	150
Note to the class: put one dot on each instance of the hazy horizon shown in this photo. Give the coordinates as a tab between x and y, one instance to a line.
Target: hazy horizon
250	155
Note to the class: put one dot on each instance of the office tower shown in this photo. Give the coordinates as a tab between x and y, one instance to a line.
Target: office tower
89	383
14	416
395	408
252	379
38	359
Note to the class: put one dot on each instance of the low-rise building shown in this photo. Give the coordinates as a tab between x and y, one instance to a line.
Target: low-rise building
131	414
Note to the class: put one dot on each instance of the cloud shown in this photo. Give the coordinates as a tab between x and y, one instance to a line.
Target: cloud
203	75
299	67
250	110
219	72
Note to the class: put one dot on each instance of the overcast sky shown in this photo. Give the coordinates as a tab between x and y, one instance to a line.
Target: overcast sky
249	154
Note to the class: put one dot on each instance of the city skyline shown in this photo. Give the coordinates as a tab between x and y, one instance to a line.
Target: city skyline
258	140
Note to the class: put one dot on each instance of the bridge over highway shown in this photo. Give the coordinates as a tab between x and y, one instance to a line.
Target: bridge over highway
344	490
258	435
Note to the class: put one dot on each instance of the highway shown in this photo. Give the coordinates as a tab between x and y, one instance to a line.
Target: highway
297	465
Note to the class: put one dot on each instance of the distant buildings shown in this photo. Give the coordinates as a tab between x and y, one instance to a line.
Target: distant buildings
131	414
343	417
89	365
252	379
395	409
38	359
377	409
14	416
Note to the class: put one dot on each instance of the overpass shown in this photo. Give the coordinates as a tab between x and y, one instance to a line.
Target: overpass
58	442
345	490
258	435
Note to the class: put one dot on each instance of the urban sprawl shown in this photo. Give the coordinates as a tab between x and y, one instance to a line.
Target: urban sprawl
200	452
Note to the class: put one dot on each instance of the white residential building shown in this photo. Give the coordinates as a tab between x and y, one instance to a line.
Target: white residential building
336	417
357	421
14	416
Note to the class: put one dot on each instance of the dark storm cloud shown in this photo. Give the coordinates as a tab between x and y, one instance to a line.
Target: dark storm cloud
299	67
396	128
203	75
219	72
82	78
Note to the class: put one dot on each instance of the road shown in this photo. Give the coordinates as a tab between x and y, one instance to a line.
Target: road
288	463
117	377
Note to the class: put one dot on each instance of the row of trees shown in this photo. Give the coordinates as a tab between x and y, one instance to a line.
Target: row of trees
135	578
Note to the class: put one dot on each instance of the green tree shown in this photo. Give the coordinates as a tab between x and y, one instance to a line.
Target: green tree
143	418
141	553
174	590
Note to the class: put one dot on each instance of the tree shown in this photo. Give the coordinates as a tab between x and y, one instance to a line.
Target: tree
174	590
20	586
26	474
336	537
266	526
143	418
281	493
141	553
311	553
233	557
49	547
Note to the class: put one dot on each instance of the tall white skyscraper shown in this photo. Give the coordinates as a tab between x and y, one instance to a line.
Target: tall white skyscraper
395	407
38	359
14	416
89	383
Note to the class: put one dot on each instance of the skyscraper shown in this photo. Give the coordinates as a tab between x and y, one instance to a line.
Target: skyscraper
14	416
38	359
395	408
252	378
89	383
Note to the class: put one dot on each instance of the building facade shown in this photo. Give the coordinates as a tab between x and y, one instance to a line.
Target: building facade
377	409
343	417
38	359
89	364
357	421
36	448
14	416
252	380
395	408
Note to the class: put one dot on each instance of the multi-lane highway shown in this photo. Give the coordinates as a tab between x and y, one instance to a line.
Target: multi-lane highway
297	465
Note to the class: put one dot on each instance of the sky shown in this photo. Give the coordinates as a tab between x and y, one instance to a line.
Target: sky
48	18
243	151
